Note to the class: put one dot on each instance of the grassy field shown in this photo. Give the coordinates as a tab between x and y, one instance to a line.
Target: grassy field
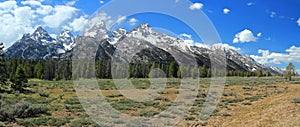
267	101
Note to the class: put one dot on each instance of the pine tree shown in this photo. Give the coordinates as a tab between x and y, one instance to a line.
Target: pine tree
172	70
20	80
203	71
259	73
195	72
289	71
3	75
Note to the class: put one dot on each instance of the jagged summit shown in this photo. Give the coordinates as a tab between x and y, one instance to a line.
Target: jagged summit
67	39
40	45
42	36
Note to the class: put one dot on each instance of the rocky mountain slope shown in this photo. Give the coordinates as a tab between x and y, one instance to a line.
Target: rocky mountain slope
156	47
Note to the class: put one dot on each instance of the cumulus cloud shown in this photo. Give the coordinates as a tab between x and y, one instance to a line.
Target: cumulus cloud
18	18
292	55
226	46
133	21
196	6
245	36
31	3
60	15
226	10
250	4
259	34
273	14
187	38
78	24
71	3
298	21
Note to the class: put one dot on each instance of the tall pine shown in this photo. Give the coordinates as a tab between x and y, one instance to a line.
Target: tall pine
20	80
3	75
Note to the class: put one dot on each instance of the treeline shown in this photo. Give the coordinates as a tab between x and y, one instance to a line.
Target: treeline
62	70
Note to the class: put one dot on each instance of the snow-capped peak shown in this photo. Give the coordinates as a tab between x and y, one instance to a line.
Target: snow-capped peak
67	39
41	36
144	29
98	31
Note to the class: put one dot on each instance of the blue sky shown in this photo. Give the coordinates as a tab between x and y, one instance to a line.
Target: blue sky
266	30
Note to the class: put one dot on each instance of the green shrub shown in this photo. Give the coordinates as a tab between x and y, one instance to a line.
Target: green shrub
82	122
126	104
254	98
33	122
72	101
232	100
247	103
190	118
11	111
44	94
58	122
148	113
296	100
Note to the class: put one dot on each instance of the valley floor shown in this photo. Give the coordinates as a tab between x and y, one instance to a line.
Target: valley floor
251	101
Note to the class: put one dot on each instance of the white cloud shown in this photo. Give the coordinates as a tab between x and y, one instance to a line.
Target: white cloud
201	45
133	21
44	10
8	5
218	45
176	1
273	14
196	6
102	16
250	4
32	3
245	36
226	10
71	3
101	2
259	34
187	38
226	46
78	24
60	15
121	19
268	39
298	21
292	55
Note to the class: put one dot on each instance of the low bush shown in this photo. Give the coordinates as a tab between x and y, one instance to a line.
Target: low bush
44	94
82	122
11	111
58	122
296	100
148	113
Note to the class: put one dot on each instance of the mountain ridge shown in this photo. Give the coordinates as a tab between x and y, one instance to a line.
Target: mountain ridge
40	45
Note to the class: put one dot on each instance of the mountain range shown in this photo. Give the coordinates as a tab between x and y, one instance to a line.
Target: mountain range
40	45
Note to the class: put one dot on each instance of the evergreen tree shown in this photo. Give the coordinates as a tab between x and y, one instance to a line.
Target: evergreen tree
179	72
20	80
39	70
203	71
259	73
172	70
3	75
195	72
289	71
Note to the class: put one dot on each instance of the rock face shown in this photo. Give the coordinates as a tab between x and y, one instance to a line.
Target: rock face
40	45
141	45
